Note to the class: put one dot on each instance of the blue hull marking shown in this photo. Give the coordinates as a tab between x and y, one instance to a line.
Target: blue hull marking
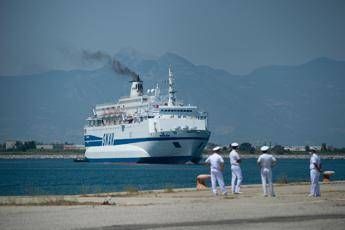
151	160
92	138
96	141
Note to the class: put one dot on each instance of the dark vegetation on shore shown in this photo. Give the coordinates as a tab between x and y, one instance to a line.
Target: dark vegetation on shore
249	149
29	148
33	148
43	152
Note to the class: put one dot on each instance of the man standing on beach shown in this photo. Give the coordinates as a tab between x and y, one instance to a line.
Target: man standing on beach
216	163
236	172
315	169
266	161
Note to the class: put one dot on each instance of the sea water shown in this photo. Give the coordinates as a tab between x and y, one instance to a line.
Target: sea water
63	176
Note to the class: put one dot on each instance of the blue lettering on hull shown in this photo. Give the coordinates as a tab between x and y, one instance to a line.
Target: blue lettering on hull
96	141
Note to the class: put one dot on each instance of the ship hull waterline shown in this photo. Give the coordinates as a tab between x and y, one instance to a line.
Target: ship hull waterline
164	150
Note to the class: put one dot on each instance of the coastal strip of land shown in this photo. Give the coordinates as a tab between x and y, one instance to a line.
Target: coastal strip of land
180	209
73	156
43	156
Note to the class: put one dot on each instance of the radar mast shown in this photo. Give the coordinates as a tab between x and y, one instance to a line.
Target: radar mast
172	98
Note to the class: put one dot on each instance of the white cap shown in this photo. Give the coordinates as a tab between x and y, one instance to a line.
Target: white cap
235	144
264	148
312	150
217	148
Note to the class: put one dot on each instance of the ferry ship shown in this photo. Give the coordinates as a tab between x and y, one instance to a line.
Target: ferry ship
146	128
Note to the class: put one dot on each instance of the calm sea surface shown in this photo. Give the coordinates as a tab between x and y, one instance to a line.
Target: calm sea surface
57	176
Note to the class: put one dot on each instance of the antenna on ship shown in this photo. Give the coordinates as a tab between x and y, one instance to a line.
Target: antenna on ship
172	98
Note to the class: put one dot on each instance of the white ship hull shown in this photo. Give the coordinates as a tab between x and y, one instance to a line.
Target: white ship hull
165	147
146	128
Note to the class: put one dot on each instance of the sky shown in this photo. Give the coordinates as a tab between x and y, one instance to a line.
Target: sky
238	36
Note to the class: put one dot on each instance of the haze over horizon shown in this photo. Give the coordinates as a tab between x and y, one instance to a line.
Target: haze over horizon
237	36
276	66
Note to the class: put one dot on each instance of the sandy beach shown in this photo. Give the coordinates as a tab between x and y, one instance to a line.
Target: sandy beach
180	209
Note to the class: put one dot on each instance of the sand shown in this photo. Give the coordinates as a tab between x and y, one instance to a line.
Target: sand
181	209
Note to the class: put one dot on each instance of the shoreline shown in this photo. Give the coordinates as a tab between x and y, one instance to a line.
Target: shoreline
244	156
172	209
294	156
36	199
39	156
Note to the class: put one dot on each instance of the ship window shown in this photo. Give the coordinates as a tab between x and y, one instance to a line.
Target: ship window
177	144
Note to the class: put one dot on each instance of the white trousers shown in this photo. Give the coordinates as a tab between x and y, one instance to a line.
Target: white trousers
217	176
266	178
236	178
314	186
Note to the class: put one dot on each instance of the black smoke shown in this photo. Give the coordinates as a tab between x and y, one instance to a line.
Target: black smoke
100	56
121	69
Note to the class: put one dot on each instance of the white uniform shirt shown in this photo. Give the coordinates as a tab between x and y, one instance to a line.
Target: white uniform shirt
314	159
234	157
215	161
266	160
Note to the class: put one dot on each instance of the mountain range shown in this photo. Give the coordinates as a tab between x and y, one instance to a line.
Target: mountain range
288	105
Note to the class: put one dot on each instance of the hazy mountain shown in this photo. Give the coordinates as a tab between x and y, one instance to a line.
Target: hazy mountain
283	104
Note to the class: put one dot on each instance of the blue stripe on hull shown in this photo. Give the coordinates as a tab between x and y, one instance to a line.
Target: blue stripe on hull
151	160
136	140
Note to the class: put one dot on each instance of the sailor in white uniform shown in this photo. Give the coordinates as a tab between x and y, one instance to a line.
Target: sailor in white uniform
216	163
315	169
266	161
236	172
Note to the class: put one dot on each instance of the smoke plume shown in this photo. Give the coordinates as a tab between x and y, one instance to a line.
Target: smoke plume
103	57
121	69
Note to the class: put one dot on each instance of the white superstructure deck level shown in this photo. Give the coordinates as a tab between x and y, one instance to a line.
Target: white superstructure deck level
146	128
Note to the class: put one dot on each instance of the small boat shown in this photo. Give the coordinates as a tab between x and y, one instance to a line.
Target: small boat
80	159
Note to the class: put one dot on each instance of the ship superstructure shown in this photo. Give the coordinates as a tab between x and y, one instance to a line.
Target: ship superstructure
146	128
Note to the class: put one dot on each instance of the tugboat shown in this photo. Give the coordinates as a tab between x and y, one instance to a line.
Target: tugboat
80	159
